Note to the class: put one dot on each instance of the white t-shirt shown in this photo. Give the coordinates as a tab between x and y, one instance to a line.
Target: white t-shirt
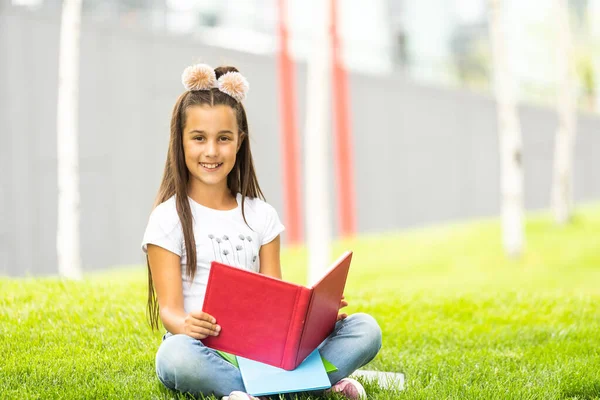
220	236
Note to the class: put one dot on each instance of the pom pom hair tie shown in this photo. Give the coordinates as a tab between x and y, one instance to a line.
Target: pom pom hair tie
199	77
203	77
234	84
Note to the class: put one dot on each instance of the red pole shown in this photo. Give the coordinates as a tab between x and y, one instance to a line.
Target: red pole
343	149
289	133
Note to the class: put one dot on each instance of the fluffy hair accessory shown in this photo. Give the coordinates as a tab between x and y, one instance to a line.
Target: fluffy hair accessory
203	77
233	84
199	77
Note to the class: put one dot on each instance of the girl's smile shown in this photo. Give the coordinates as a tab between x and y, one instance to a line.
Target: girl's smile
211	167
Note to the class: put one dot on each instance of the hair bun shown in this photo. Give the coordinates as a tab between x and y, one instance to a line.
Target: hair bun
199	77
234	84
223	69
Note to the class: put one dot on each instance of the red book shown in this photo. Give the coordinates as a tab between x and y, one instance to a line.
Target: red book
268	320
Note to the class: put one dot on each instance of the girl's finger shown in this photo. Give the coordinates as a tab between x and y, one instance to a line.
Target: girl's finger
204	331
201	315
196	335
206	325
341	316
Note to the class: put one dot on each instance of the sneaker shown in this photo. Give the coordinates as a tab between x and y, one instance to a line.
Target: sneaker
237	395
349	388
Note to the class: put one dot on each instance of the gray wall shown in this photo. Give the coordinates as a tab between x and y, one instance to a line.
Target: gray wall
433	154
423	154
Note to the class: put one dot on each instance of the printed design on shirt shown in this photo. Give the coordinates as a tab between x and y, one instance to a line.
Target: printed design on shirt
225	251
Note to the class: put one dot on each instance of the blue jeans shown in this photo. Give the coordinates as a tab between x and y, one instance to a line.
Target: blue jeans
184	364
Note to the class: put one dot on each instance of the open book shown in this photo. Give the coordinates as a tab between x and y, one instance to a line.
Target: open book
268	320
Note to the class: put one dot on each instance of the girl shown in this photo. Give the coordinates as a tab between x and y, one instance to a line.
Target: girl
210	207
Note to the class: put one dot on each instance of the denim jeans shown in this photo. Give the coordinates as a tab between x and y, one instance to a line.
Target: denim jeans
184	364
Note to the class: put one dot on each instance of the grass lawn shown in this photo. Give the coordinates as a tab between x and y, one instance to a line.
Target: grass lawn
458	318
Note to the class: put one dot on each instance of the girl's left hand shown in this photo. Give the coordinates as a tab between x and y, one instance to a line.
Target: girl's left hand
343	303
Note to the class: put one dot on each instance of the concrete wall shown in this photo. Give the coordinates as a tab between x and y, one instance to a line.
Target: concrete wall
423	154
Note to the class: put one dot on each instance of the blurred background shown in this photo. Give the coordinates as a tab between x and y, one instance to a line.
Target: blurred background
421	110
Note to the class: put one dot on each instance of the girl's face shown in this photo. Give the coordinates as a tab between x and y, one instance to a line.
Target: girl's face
210	144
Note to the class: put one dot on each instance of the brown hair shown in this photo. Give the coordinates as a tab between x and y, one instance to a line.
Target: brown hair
241	179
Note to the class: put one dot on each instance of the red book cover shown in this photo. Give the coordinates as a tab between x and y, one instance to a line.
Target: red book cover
269	320
324	307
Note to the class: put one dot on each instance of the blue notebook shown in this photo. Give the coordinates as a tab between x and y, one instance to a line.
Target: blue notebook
263	379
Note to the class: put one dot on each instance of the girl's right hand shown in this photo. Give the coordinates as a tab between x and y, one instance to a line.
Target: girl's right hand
200	325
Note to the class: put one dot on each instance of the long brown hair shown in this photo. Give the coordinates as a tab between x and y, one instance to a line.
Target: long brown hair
242	178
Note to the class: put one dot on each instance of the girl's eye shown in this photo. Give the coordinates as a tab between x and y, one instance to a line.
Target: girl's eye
221	139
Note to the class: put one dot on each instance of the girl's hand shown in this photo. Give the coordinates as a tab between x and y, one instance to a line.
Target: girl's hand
200	325
343	303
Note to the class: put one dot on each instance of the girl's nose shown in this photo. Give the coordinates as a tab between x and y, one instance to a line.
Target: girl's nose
211	149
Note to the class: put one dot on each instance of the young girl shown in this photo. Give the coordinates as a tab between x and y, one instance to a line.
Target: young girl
210	207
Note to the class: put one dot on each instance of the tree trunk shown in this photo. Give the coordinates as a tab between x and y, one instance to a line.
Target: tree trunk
562	183
67	237
290	142
511	163
317	193
593	15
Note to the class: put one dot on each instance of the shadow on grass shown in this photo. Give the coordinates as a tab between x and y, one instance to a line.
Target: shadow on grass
580	391
372	389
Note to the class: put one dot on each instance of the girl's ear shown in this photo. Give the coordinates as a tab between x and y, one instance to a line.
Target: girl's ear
242	137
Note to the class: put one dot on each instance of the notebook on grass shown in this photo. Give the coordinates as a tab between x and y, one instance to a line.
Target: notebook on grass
261	379
271	321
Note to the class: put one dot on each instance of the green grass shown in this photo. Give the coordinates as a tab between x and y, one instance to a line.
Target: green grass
458	318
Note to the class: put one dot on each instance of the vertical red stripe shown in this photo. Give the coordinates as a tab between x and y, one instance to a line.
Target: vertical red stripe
343	149
289	133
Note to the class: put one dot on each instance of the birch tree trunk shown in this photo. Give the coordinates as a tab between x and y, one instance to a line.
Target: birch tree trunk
562	182
318	216
593	12
67	237
511	163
